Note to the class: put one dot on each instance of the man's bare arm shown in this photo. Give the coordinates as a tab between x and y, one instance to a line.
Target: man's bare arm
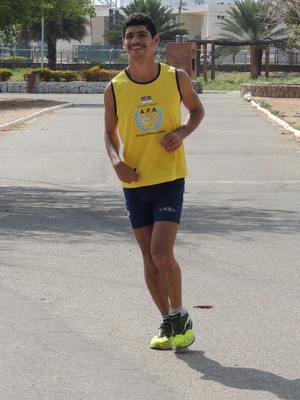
112	141
191	101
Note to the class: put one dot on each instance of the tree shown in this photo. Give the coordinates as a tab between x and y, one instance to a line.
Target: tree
11	13
288	12
25	12
62	20
251	20
162	15
65	29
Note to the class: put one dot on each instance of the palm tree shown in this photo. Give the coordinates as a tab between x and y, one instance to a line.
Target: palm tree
65	29
250	20
162	15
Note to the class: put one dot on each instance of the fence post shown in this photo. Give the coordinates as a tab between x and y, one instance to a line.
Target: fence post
267	60
205	62
213	62
32	83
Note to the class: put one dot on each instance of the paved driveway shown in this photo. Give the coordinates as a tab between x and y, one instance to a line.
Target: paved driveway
76	318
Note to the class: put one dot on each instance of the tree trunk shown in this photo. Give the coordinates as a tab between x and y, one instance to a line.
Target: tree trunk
259	60
51	53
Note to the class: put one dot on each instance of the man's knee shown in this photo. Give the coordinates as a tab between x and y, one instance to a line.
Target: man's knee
163	259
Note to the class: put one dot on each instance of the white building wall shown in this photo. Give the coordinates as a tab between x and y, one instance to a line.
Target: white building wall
200	20
95	29
214	17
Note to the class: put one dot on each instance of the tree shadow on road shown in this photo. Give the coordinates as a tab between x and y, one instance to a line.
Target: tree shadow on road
72	212
241	378
211	219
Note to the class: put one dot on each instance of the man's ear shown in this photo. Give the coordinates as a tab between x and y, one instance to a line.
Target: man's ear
156	39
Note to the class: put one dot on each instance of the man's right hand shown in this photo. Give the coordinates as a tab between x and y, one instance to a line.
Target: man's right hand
125	173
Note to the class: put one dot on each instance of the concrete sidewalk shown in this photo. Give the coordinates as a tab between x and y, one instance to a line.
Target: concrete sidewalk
76	318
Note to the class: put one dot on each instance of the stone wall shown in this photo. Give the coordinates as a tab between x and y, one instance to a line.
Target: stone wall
275	91
65	87
55	87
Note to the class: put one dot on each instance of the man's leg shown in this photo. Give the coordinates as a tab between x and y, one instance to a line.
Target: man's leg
163	339
151	272
162	244
163	278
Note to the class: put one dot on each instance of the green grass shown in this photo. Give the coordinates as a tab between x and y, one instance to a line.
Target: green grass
18	74
232	80
267	106
295	126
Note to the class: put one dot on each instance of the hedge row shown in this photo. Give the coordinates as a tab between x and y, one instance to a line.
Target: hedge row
13	59
97	74
47	75
5	74
94	74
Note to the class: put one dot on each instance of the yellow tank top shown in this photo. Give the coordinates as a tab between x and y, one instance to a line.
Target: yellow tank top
146	112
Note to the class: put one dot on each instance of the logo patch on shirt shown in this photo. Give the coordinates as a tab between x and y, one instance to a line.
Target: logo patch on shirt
146	99
149	118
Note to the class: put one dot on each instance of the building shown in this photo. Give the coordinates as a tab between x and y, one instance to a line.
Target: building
200	17
202	20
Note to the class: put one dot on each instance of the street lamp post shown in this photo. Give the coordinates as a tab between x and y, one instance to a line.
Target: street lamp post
42	39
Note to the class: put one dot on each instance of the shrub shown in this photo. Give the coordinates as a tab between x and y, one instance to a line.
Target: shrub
99	64
44	73
5	74
48	75
96	74
14	59
69	76
113	74
56	76
65	76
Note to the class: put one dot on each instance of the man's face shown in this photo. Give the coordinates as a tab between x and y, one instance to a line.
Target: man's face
138	41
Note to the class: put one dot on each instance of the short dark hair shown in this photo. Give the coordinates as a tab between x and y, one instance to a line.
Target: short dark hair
139	18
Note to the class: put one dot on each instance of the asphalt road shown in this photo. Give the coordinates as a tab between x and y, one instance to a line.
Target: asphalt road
75	316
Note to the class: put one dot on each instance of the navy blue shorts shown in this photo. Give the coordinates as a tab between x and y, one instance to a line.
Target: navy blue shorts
161	202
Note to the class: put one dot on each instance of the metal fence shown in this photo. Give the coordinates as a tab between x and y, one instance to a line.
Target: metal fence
112	55
277	57
32	54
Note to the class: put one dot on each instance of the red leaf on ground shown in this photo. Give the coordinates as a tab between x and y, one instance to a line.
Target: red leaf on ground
203	306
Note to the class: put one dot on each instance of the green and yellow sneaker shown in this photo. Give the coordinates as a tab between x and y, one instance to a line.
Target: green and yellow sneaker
183	335
162	341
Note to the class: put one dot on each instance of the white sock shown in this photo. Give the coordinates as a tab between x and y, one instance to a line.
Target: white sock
164	317
181	310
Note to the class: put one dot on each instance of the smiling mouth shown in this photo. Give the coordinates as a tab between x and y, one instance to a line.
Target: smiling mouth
136	48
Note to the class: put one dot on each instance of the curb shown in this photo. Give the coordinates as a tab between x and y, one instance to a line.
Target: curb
273	117
36	114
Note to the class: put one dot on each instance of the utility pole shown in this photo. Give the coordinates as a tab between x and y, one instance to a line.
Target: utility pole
179	11
42	39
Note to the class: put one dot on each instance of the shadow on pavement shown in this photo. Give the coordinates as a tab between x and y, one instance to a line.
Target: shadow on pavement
210	219
44	212
241	378
82	212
